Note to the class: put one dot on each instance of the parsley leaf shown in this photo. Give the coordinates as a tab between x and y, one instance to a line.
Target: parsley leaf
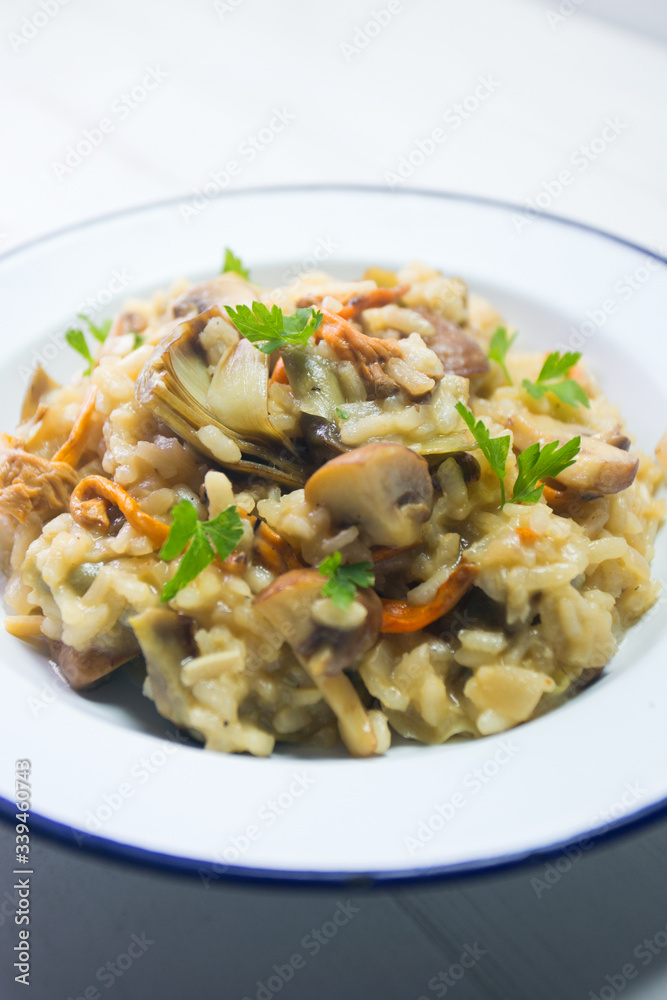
183	526
342	414
76	339
272	330
138	341
498	348
553	378
99	332
204	538
494	449
233	263
537	463
343	581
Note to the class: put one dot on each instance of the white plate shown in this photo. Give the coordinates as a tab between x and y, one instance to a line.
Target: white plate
106	769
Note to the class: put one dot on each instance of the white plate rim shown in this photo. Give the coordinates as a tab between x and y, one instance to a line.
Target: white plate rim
132	854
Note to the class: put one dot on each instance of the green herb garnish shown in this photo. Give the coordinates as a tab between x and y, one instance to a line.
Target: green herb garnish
495	450
553	378
138	341
76	339
498	348
534	463
342	414
99	332
233	263
343	581
537	463
272	330
204	538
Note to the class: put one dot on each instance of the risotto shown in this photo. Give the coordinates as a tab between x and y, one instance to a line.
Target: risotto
333	510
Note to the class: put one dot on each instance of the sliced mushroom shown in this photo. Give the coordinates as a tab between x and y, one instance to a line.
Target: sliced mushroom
83	669
227	289
128	322
292	605
165	638
384	488
600	468
458	351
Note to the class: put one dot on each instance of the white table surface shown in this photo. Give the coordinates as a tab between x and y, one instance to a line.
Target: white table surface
557	79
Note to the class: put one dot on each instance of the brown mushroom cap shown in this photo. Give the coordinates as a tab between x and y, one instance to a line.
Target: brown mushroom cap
599	468
459	352
384	488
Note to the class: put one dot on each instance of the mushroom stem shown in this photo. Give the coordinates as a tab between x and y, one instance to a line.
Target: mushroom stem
338	691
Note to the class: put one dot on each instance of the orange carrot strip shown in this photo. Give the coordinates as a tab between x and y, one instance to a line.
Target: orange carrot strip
279	374
72	449
273	551
349	343
371	300
88	508
398	616
527	535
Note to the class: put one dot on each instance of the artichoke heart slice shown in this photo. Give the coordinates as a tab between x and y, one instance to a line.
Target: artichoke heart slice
176	384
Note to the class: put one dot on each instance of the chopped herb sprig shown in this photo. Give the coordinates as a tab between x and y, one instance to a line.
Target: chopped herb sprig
76	338
498	348
203	539
271	330
553	377
494	449
343	581
535	463
234	263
